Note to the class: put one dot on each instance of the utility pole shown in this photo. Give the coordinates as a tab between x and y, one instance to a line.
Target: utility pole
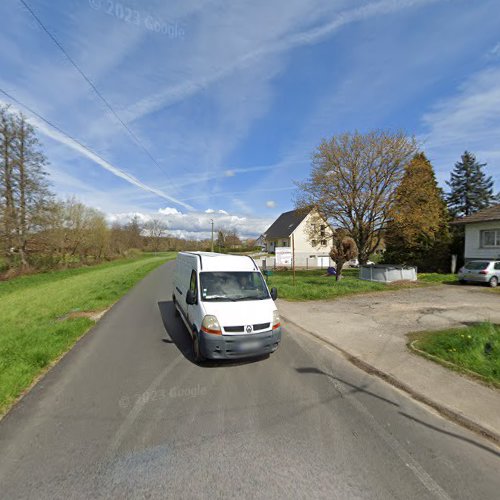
212	222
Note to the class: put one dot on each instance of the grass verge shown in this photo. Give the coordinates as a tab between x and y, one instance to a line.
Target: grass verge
33	331
315	285
475	349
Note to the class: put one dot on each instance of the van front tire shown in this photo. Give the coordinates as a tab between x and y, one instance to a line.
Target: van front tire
198	356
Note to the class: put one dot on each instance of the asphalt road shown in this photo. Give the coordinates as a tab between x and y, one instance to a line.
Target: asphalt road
128	414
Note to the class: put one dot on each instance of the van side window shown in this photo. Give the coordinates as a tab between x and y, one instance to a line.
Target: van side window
192	285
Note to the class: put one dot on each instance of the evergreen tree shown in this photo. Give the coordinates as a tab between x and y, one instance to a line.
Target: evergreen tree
418	232
470	189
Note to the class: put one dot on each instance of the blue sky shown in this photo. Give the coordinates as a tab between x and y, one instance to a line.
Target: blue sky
231	98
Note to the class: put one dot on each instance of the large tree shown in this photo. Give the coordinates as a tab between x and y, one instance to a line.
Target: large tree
24	193
418	232
353	181
470	189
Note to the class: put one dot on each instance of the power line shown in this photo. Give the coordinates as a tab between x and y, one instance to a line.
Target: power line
117	171
92	86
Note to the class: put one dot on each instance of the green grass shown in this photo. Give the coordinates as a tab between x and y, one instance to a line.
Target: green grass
314	285
475	348
437	278
32	334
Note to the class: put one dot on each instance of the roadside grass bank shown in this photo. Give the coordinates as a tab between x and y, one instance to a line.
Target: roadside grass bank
41	315
313	284
474	349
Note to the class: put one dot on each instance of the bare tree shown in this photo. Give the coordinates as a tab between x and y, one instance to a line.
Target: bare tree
7	209
155	230
353	181
24	193
343	249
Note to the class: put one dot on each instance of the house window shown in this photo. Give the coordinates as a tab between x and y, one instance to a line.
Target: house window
322	231
323	243
284	243
490	238
314	243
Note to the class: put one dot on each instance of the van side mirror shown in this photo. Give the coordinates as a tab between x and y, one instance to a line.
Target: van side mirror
274	293
190	298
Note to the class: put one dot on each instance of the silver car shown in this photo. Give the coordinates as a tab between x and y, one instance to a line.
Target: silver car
480	271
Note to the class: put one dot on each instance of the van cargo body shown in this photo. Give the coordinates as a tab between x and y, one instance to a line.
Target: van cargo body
226	306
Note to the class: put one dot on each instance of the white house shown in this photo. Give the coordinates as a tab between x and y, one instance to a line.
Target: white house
297	226
482	234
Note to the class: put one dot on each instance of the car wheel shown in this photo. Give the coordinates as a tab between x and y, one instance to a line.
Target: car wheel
462	282
494	282
198	356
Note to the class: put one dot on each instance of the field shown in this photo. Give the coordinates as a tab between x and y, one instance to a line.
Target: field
42	315
475	348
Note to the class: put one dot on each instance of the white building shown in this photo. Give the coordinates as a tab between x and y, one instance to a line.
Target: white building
307	232
482	234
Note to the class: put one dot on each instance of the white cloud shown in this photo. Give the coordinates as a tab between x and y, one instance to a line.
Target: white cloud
198	224
495	51
270	204
468	120
168	211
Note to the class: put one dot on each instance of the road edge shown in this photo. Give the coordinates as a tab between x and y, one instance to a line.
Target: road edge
422	398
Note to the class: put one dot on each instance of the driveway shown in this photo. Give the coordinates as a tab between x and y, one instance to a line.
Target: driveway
372	329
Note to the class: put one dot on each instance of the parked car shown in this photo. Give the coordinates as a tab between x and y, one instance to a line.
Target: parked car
225	305
480	271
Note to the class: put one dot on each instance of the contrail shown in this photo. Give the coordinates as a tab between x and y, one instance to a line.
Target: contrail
50	130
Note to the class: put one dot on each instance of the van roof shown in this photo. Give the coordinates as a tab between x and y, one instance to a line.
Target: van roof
224	262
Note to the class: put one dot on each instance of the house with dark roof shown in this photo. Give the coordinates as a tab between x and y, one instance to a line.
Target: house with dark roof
311	234
482	234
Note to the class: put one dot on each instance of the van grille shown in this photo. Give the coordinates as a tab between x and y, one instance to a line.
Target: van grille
261	326
233	328
236	329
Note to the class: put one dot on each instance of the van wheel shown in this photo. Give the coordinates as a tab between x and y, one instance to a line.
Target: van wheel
494	282
462	282
198	356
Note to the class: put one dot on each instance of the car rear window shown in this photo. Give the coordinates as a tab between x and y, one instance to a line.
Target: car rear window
476	265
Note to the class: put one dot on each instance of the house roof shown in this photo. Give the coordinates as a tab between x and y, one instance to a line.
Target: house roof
285	224
485	215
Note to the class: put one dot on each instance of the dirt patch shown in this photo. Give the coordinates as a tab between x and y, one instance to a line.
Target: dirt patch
405	283
93	315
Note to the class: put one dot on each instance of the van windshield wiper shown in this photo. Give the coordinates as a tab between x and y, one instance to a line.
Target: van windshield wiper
249	298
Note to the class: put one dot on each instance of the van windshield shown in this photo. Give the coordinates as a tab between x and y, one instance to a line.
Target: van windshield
232	286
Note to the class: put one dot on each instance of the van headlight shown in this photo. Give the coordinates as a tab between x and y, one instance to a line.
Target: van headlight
276	319
211	325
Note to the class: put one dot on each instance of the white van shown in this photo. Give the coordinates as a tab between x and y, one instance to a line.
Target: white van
226	306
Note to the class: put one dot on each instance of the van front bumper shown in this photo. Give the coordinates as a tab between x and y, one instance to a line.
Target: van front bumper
239	346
